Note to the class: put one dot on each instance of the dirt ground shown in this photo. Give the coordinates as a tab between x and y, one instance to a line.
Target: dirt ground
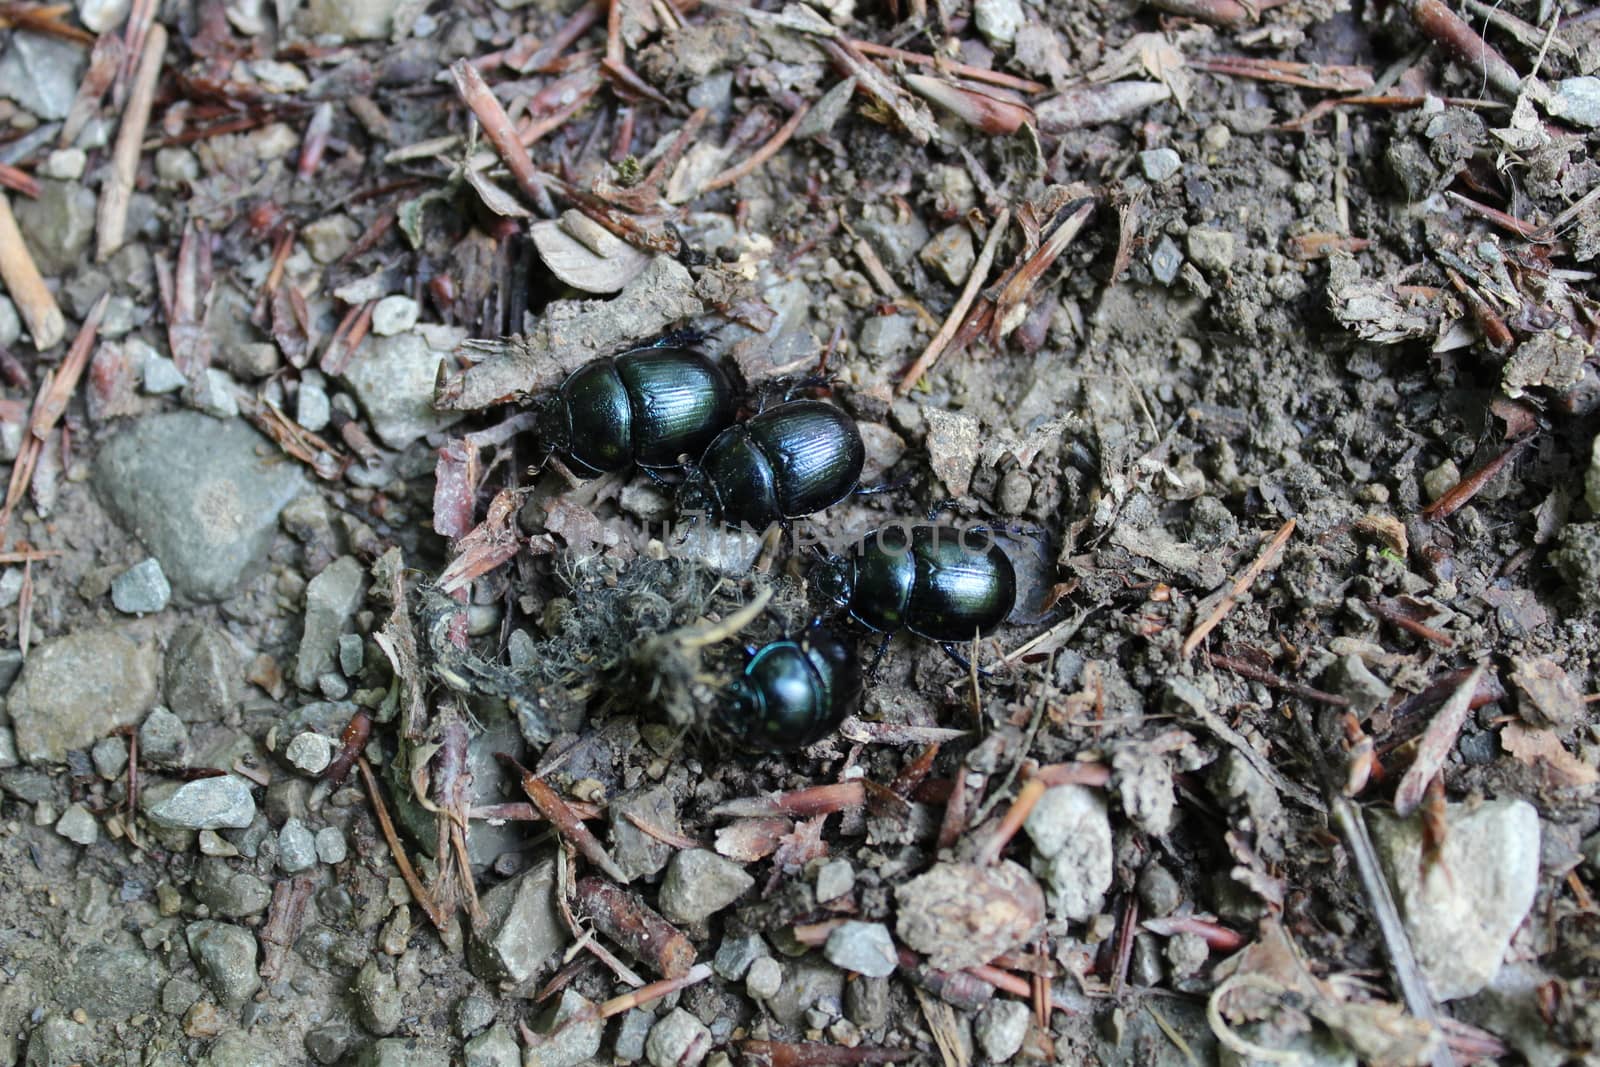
1261	334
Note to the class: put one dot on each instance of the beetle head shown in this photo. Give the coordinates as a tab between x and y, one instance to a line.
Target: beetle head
832	579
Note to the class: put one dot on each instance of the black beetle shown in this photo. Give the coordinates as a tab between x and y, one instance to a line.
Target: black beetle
649	406
940	582
791	460
793	692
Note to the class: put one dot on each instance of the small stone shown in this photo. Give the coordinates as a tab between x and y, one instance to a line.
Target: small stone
951	253
220	395
493	1048
64	164
177	166
102	16
631	1034
1441	479
110	757
1576	559
378	999
1166	261
1159	164
199	495
276	76
473	1013
309	753
1350	677
352	653
212	843
160	374
41	73
394	314
329	237
74	689
78	826
523	931
230	893
1186	954
141	589
678	1039
699	883
1576	100
736	953
866	1003
207	804
297	848
887	336
999	20
178	995
226	956
962	914
1462	910
401	1052
564	1044
1211	249
58	223
834	879
163	738
1001	1027
865	948
332	598
393	379
638	854
1158	890
1071	834
202	680
312	408
764	979
203	1020
331	847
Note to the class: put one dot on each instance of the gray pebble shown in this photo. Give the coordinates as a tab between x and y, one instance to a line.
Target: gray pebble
1001	1028
163	738
394	314
835	879
473	1013
297	848
1159	891
736	953
226	956
110	756
78	826
309	752
1159	164
677	1040
207	804
378	999
493	1048
141	589
764	978
700	883
631	1035
865	948
331	846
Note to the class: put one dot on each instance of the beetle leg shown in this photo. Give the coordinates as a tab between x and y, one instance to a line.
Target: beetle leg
877	657
886	487
962	661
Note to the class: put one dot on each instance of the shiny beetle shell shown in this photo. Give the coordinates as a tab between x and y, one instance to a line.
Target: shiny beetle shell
793	692
792	460
939	582
650	406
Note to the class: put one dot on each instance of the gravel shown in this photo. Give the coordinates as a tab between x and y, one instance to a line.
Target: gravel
699	883
865	948
141	589
75	689
226	956
1071	833
207	804
677	1039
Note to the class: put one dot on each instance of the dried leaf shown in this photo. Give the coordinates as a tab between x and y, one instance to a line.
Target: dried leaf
495	198
1543	748
586	256
1550	697
748	840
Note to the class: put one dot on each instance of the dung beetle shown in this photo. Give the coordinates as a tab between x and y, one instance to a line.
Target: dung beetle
793	692
649	406
943	583
789	461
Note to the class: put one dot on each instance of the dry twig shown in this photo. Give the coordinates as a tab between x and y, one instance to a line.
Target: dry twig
35	302
1240	586
117	192
958	314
